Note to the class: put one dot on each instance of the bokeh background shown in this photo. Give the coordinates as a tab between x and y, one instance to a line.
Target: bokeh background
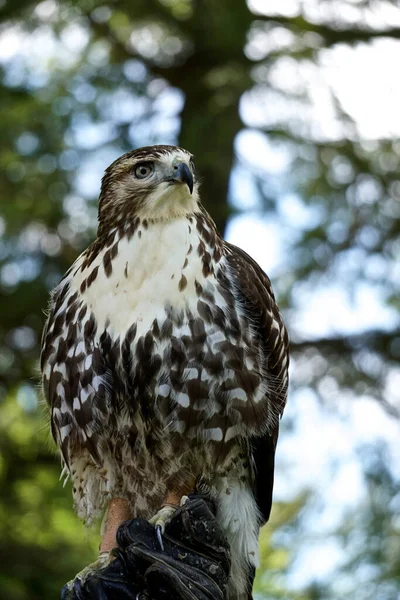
291	108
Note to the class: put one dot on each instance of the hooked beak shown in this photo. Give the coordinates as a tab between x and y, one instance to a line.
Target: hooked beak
183	174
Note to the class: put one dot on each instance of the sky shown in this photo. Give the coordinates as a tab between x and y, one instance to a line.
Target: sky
320	450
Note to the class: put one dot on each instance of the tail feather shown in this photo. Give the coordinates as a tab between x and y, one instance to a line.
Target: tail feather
240	519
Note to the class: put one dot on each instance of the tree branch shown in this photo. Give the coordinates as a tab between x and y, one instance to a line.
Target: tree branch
376	341
332	35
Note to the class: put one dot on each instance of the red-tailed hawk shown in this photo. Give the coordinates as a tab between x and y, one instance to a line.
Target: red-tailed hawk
165	358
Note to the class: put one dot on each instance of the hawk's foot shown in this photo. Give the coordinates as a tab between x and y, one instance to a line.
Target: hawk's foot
79	579
164	517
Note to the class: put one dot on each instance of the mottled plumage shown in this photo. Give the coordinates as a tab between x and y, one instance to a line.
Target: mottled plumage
165	358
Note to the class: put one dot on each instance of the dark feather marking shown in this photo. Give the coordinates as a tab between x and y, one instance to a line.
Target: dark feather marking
107	263
70	314
82	312
59	298
131	227
114	251
58	325
182	283
90	327
72	299
198	287
207	267
204	311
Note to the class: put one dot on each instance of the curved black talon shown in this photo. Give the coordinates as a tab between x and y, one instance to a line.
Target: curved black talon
159	533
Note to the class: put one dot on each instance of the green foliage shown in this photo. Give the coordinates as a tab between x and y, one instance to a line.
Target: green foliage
42	543
276	558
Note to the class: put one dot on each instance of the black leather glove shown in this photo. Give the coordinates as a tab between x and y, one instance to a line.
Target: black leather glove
194	564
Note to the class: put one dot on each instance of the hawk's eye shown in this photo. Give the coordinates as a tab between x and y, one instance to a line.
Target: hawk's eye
192	166
143	170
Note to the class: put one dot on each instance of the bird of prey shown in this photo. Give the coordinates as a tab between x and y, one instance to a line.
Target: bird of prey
165	361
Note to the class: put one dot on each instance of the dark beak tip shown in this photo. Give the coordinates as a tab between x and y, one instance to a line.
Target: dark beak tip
184	175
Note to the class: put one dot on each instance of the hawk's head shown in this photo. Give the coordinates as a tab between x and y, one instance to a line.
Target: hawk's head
153	182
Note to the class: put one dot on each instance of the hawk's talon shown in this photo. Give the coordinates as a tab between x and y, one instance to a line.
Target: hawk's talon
159	534
161	520
80	579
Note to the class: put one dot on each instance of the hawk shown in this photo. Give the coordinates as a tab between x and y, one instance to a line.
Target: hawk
165	361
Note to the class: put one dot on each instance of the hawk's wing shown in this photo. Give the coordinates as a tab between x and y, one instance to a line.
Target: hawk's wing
76	381
254	293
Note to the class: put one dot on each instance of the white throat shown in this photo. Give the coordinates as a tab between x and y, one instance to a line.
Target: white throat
170	201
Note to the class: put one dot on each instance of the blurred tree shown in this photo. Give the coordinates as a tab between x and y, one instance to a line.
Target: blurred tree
276	556
369	538
83	82
41	541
